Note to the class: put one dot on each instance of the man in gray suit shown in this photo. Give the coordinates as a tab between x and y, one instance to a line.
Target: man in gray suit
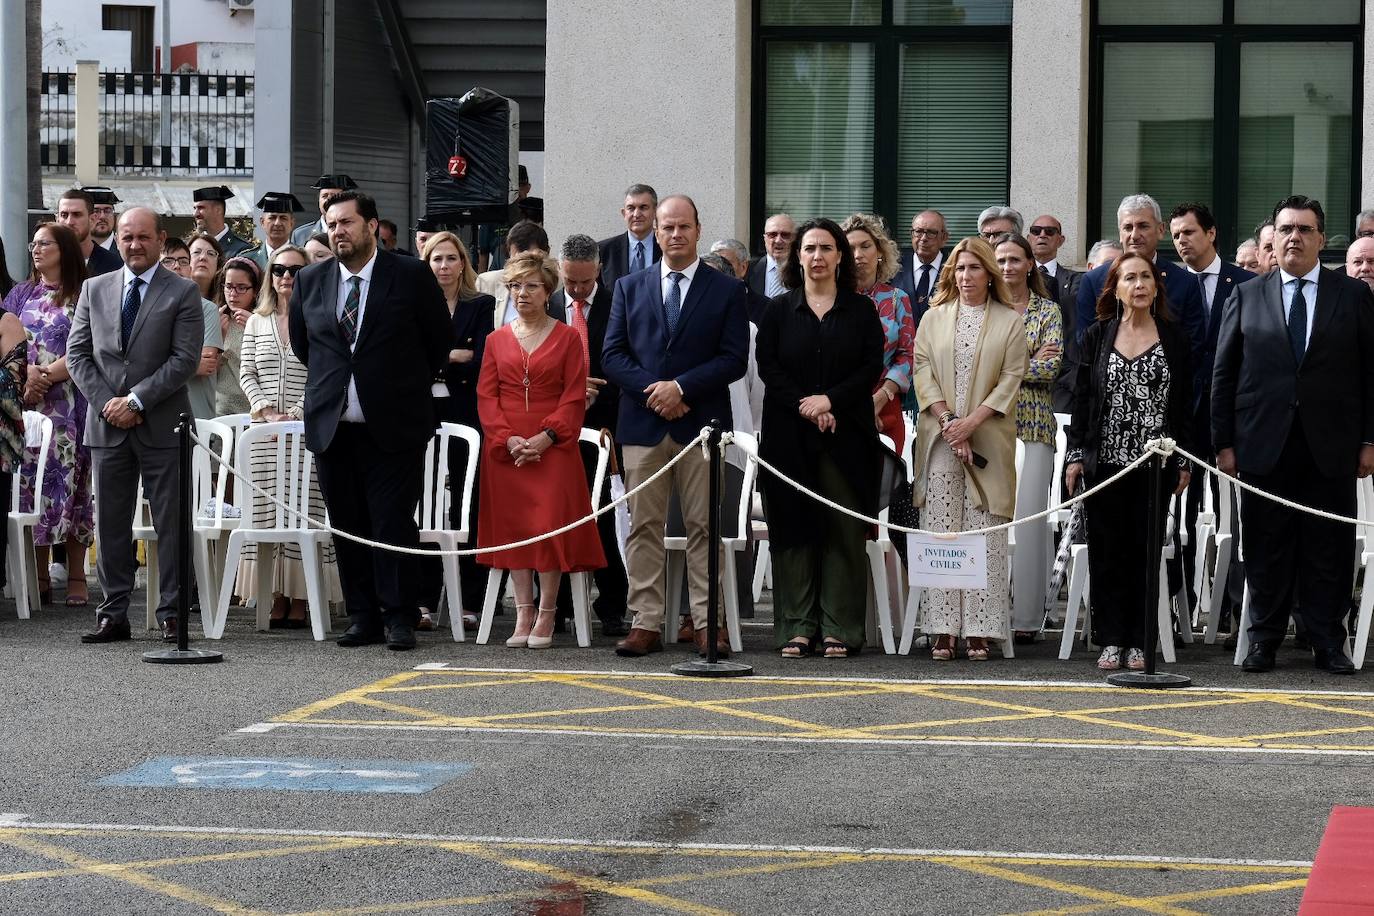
134	344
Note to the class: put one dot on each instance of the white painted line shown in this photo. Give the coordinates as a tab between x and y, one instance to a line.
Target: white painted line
928	682
12	818
650	845
914	741
257	728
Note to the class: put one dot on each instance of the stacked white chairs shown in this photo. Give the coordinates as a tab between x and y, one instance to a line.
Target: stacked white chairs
22	565
581	582
1366	556
435	502
885	574
1220	530
293	467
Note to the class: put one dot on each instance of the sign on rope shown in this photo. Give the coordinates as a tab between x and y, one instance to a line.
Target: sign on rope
948	562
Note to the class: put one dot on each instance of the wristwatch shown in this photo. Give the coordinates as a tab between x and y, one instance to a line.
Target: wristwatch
553	436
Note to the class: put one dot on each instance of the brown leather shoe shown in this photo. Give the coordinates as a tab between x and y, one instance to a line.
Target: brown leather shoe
169	630
686	633
106	630
722	642
639	643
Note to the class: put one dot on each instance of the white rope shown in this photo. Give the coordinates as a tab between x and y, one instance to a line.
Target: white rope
468	552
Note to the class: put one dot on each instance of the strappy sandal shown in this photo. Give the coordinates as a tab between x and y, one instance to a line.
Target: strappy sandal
834	648
1110	659
943	651
977	653
797	647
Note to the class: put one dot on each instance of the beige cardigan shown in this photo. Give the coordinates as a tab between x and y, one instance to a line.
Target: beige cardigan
999	363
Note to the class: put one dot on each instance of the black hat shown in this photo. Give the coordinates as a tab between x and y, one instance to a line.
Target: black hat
280	202
340	181
430	224
219	193
101	195
531	208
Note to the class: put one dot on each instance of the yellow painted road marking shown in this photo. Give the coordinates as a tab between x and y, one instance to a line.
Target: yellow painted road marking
305	712
1111	898
239	856
1184	897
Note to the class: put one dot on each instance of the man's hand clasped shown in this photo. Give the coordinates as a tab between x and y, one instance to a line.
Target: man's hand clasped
119	414
665	399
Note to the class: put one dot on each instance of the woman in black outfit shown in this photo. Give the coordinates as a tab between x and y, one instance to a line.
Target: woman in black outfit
820	352
1134	384
448	257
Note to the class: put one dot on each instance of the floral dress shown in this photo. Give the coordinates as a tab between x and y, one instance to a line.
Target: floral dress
67	510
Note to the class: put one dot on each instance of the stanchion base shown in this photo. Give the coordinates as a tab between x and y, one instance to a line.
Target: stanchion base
703	668
183	657
1160	680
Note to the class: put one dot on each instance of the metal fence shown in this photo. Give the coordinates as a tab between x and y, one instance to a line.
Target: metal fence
154	123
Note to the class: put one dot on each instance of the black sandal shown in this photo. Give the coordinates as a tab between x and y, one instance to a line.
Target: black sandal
833	648
802	644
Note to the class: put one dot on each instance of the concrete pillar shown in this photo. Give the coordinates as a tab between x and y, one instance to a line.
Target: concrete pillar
273	125
678	119
1049	117
14	141
88	122
1366	177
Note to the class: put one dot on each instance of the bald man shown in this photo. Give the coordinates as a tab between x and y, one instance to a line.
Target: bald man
1359	260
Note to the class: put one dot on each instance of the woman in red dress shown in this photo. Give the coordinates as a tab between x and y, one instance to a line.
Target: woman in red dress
531	396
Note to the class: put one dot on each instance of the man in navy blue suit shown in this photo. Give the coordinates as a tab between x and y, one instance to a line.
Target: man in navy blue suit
678	335
1142	227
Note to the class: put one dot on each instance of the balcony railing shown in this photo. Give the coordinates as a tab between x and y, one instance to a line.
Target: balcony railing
154	123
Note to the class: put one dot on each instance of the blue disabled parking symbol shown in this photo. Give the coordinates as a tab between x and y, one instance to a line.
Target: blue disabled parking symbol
298	774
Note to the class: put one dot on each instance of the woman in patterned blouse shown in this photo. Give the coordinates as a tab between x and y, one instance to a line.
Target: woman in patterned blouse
1133	384
1035	427
876	260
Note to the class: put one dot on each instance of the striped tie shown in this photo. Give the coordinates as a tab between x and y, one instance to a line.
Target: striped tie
349	321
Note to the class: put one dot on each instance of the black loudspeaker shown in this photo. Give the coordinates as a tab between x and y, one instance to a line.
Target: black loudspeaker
471	157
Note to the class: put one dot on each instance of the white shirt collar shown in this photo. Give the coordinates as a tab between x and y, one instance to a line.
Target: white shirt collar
365	273
648	241
1213	268
146	276
568	296
917	263
219	236
1311	276
772	264
1051	267
687	272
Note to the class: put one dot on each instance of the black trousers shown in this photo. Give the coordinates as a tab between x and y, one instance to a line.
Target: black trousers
474	576
612	586
374	494
1292	558
1119	555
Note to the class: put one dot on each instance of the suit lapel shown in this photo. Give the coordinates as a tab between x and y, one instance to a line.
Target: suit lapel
1322	314
695	290
376	295
1273	298
329	296
156	287
655	284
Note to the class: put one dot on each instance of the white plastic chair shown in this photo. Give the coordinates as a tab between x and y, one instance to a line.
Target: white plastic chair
210	530
885	575
581	582
294	466
22	564
1366	612
1212	591
433	515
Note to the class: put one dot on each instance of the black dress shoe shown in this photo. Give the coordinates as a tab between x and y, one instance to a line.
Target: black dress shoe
107	630
1333	660
169	629
358	636
616	628
400	637
1260	658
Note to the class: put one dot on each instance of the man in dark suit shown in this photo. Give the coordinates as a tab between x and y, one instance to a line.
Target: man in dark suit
1142	227
1293	414
209	207
736	255
373	329
677	337
1359	260
74	211
635	248
921	265
135	343
103	216
765	273
586	305
326	186
1046	237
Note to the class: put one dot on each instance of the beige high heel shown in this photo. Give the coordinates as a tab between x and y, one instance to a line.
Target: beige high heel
541	642
517	641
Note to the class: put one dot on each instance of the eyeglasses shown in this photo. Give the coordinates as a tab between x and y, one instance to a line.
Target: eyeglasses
282	270
103	211
925	233
44	243
1288	229
237	289
777	235
1365	234
1043	230
518	288
989	236
170	262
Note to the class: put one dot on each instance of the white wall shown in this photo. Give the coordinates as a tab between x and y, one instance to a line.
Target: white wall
71	31
1366	177
683	128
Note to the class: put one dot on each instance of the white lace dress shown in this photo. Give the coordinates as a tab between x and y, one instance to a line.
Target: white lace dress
950	506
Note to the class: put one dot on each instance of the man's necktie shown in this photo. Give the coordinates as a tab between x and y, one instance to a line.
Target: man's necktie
1297	320
923	286
128	312
349	320
1202	288
579	323
672	303
1051	282
638	262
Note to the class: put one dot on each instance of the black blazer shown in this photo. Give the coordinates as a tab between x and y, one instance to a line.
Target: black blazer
403	344
102	261
602	414
906	280
1066	294
1258	388
471	325
1091	394
615	257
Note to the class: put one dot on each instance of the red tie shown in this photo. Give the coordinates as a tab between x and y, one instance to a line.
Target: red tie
579	323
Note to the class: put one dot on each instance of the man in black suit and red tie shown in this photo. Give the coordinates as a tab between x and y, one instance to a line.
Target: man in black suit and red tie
373	329
635	248
1293	414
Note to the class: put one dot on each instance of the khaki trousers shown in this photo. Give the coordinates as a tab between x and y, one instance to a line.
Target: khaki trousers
644	553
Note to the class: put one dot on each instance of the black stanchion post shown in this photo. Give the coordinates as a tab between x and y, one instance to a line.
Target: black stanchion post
182	655
1150	678
712	666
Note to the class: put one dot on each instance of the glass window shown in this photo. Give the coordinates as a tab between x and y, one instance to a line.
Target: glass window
1157	134
953	131
1295	130
819	106
1159	12
1285	12
821	12
952	12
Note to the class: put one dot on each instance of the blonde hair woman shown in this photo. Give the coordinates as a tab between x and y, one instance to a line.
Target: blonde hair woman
970	359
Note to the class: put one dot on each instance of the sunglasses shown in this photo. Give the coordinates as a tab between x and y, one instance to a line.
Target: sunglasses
1043	230
285	270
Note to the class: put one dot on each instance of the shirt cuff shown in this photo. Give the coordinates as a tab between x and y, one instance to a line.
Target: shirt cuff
680	392
134	400
1073	456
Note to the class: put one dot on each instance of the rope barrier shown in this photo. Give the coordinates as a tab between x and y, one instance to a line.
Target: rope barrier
467	552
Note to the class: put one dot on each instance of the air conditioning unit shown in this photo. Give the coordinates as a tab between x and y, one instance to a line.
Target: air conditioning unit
236	5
